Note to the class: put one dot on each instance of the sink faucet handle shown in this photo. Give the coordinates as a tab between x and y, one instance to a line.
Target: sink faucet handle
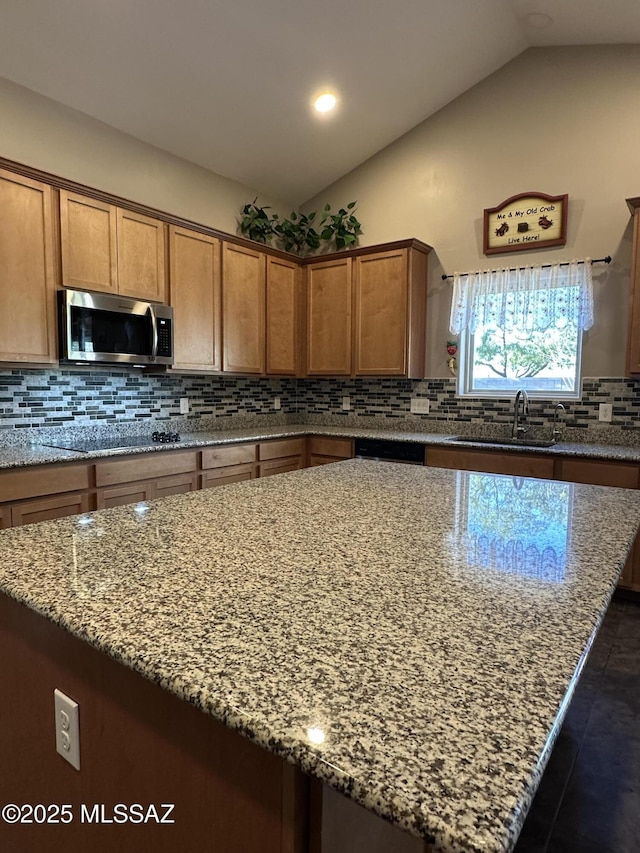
557	431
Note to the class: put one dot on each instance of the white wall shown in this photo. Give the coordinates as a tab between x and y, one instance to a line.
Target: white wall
42	133
554	120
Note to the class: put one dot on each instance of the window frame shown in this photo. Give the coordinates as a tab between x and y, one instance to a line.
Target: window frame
465	376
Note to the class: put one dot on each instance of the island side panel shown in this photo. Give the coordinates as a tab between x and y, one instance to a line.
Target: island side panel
138	744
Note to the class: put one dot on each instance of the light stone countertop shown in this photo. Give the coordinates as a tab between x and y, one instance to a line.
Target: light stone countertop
429	624
34	453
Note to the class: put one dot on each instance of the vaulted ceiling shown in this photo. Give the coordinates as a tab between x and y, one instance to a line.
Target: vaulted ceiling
228	85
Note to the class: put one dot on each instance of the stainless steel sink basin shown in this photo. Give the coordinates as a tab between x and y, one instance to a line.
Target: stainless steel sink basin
516	442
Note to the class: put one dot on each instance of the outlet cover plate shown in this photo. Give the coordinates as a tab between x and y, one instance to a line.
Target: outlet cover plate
605	412
346	404
67	728
419	405
184	405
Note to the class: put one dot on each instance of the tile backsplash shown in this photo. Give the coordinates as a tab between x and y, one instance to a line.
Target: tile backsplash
79	398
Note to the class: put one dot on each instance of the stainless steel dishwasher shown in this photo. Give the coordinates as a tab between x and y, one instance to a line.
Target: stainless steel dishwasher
409	452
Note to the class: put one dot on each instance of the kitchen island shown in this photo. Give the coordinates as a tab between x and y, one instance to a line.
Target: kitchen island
409	636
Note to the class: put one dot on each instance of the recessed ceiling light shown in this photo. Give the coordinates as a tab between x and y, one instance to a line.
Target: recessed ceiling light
325	102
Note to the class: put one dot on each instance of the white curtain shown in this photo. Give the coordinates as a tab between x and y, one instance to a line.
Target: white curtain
529	299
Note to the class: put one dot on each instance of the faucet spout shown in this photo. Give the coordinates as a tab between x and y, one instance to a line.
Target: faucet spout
518	430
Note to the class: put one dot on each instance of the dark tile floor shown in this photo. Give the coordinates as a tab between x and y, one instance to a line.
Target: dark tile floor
589	798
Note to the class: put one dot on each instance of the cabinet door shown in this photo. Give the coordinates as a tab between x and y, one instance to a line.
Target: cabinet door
88	243
5	517
48	509
27	284
283	317
324	449
243	309
380	324
194	287
141	256
329	318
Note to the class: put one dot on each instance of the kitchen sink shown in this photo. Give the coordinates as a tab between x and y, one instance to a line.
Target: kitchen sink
516	442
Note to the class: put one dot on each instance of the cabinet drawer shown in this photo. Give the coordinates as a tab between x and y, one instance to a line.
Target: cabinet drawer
514	464
49	509
222	476
144	467
235	454
315	460
280	466
600	473
281	448
341	447
131	493
42	480
178	485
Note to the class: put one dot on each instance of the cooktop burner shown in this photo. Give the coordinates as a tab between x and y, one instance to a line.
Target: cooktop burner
87	446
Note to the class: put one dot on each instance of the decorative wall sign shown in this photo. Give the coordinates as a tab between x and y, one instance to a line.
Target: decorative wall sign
525	221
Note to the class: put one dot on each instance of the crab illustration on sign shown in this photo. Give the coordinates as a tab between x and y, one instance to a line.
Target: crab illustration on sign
538	220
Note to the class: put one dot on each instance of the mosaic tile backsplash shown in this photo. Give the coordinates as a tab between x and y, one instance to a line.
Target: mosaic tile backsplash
80	398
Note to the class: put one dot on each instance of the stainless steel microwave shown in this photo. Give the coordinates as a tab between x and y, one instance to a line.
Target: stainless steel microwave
102	327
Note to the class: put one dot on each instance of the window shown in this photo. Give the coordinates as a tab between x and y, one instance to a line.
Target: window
522	328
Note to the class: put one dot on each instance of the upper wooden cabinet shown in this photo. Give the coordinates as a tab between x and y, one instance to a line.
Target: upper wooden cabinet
141	256
194	294
367	312
106	248
243	309
633	339
284	315
329	297
27	271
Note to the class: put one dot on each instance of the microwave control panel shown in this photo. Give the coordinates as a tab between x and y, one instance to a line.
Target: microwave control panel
164	337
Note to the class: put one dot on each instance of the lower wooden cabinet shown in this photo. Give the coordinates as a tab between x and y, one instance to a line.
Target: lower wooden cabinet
5	517
323	450
228	463
619	474
280	455
49	509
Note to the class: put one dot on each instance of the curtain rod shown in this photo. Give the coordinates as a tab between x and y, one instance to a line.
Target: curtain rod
606	260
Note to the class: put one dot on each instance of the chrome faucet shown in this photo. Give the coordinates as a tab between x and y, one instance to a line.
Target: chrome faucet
557	432
518	430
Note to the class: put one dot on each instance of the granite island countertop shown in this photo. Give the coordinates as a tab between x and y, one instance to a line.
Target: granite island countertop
37	452
429	624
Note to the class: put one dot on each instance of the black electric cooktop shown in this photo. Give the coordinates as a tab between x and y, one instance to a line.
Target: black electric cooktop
87	446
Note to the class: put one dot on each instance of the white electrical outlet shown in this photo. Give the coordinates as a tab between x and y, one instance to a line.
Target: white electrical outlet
276	403
605	412
419	405
67	728
184	405
346	404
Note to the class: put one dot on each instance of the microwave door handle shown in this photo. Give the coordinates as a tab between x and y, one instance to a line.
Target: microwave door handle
154	330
